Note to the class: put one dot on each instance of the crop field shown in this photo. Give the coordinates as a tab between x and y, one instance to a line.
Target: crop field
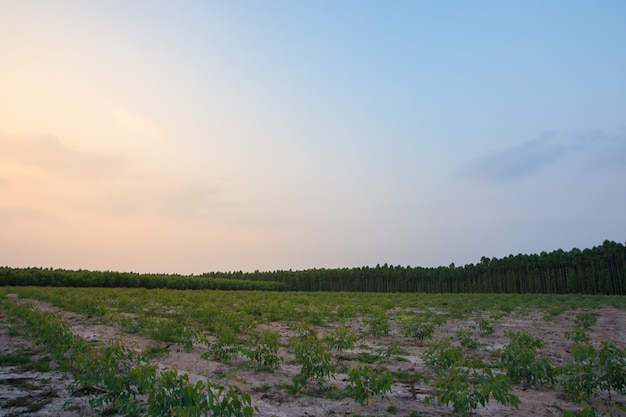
94	351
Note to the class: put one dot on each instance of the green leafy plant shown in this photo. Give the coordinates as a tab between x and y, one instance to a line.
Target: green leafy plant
311	354
263	351
364	383
174	395
591	371
116	374
441	355
468	383
612	368
466	339
585	320
378	323
587	411
578	376
578	335
417	328
225	346
485	327
51	331
520	360
342	339
392	349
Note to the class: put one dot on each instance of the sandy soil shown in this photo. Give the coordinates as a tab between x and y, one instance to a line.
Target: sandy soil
50	389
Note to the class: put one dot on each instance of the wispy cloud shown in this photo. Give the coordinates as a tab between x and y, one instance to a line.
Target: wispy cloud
41	174
603	150
157	197
48	153
519	161
597	148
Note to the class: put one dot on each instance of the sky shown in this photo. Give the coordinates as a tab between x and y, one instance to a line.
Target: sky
195	136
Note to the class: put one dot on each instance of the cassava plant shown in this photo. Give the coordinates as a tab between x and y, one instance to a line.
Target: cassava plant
485	327
468	383
225	346
578	377
612	367
365	383
441	355
173	395
520	360
466	339
417	328
262	350
342	339
378	323
117	375
311	354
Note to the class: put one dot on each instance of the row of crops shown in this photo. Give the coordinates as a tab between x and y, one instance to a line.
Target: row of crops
445	350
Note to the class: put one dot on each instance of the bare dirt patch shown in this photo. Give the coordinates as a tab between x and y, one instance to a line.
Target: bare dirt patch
26	390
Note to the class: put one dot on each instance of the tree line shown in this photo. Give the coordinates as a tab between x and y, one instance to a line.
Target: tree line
48	277
598	270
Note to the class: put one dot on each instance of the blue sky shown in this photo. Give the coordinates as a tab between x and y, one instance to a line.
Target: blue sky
198	136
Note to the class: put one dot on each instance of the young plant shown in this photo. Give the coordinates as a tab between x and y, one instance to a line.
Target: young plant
263	351
585	320
466	338
311	354
468	383
578	335
441	355
578	377
174	395
417	328
485	327
378	323
519	359
117	375
612	368
364	383
226	344
342	339
393	349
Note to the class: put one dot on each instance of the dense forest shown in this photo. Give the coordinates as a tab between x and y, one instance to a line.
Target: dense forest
599	270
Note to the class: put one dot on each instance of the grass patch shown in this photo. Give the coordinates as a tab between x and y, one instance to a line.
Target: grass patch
23	359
